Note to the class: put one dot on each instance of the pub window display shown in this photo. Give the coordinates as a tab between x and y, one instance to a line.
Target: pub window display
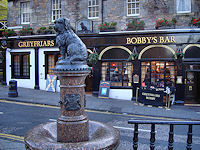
119	73
158	73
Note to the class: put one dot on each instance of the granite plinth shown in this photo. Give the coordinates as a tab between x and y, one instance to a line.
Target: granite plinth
44	137
72	124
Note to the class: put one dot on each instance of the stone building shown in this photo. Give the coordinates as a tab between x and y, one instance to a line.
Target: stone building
133	55
38	13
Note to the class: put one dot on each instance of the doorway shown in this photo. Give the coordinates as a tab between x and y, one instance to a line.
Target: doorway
88	83
192	87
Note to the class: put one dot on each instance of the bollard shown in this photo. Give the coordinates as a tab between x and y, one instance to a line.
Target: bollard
12	88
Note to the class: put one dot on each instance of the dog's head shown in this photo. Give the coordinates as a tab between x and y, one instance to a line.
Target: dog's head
61	24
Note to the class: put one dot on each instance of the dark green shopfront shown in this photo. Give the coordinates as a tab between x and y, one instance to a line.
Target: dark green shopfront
129	60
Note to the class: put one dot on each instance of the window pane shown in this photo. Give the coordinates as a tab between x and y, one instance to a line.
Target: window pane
16	66
25	12
158	73
89	3
26	65
56	9
93	8
133	7
119	73
183	6
51	63
21	67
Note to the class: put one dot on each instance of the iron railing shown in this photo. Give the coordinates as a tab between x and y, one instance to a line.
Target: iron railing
171	132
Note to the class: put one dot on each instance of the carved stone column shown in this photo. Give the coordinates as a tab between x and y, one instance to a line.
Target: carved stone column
72	124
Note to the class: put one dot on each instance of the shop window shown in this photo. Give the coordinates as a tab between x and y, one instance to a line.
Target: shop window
183	6
56	9
20	65
119	73
133	7
50	61
158	73
25	12
193	67
93	9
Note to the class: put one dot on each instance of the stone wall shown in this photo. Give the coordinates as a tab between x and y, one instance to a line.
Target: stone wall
114	11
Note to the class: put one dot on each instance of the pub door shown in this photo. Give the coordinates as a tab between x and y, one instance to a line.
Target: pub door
88	82
192	87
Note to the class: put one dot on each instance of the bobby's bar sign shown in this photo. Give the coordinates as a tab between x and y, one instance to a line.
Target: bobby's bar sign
151	97
104	89
150	39
46	43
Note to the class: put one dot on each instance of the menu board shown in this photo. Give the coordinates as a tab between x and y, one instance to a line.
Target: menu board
104	89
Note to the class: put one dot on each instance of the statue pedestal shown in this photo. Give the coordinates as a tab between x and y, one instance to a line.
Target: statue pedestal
72	129
72	124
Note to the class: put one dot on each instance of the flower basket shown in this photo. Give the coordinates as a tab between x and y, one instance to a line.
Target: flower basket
107	27
166	24
195	22
135	25
45	30
133	56
93	58
108	30
9	32
26	31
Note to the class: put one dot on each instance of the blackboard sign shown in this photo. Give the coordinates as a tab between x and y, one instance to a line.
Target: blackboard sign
104	89
151	97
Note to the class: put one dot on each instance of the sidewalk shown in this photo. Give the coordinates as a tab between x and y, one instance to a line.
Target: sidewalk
110	105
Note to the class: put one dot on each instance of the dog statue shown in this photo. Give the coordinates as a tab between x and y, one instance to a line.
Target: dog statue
72	49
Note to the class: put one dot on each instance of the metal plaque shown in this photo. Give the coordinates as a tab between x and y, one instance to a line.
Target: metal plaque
72	102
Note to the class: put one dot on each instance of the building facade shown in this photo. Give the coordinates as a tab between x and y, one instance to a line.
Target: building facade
149	56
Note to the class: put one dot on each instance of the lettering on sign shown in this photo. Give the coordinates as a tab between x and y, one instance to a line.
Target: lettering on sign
48	43
150	40
150	96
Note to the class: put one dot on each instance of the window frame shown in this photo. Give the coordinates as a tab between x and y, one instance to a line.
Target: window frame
124	77
183	12
21	68
58	5
149	64
127	8
24	11
46	53
93	6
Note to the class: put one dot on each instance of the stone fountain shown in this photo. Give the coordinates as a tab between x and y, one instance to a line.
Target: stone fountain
72	130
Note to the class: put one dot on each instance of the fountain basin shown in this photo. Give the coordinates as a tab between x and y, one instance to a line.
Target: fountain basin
44	137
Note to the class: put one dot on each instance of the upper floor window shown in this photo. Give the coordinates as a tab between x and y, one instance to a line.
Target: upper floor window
25	13
183	6
56	9
93	8
133	7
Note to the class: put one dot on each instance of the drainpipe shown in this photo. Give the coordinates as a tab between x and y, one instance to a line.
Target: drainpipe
102	20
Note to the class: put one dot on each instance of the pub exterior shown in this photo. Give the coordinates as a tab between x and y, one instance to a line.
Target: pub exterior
129	60
148	43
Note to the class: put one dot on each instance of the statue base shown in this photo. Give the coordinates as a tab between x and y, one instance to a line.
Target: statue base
72	129
44	136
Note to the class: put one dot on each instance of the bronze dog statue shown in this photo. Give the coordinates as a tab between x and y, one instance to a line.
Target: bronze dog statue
72	49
